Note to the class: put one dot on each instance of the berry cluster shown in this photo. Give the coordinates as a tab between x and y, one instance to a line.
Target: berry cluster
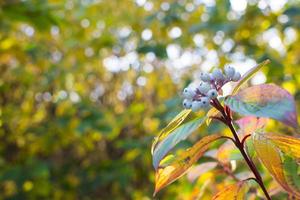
209	88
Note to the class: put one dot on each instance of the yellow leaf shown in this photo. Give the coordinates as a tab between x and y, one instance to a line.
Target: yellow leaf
168	174
271	149
287	144
213	112
235	191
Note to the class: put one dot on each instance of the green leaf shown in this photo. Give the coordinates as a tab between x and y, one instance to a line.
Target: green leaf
177	135
235	154
266	100
290	170
170	127
158	49
250	148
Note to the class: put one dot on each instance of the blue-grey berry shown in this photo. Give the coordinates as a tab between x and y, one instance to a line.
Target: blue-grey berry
187	103
188	93
205	77
229	71
204	87
196	106
204	101
236	77
217	74
211	77
212	94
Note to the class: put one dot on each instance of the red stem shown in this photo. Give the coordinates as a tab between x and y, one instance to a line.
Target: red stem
245	138
240	145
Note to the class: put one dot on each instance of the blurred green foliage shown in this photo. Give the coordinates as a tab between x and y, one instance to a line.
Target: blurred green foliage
86	85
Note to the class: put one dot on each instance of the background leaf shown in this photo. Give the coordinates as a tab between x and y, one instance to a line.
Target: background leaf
235	191
200	169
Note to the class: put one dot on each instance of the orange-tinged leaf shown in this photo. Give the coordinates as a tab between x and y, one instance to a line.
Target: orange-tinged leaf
235	191
249	75
274	151
170	127
168	174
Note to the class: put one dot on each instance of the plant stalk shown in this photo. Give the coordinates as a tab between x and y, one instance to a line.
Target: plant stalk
228	121
249	162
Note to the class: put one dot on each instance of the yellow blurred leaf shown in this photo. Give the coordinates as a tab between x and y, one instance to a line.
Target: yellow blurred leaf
223	153
198	170
235	191
7	43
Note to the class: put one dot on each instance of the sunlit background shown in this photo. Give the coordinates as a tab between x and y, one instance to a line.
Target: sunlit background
86	85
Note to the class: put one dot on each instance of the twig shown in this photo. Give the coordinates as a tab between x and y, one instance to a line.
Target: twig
244	139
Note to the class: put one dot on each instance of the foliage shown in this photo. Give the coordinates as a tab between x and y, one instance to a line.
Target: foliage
83	91
278	153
